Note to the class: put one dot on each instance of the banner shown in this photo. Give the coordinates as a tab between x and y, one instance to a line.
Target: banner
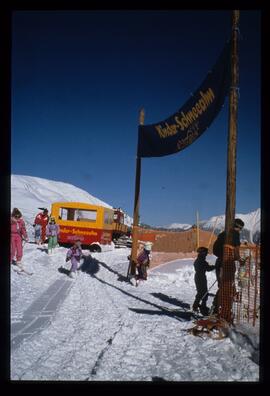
194	117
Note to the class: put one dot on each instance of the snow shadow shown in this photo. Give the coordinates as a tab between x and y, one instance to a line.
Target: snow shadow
179	315
171	300
45	250
121	277
90	265
63	270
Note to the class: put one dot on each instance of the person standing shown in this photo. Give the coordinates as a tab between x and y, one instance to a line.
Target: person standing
40	224
74	254
201	266
18	234
219	243
218	251
143	262
52	232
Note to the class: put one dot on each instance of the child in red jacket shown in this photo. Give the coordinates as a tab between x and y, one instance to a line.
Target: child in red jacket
40	224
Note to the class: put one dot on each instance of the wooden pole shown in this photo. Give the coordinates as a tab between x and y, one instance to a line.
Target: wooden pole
136	208
226	292
232	133
211	236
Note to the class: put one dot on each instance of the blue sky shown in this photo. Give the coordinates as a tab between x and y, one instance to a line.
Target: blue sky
79	80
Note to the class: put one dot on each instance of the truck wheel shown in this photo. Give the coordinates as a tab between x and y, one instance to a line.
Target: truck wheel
95	248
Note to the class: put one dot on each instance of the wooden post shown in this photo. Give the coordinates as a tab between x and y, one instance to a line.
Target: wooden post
232	133
226	292
211	237
136	208
198	231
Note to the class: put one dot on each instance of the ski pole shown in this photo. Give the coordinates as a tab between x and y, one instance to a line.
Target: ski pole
208	290
128	269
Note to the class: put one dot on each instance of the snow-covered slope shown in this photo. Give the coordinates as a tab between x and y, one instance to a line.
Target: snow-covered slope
97	328
29	193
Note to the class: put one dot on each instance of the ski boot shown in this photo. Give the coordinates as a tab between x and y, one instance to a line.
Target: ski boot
204	310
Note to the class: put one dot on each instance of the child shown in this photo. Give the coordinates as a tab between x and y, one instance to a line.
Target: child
201	266
52	232
74	254
143	262
18	233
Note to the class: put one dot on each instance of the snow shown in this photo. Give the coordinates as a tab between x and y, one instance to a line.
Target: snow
97	327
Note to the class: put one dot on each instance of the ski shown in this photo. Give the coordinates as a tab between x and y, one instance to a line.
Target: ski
21	270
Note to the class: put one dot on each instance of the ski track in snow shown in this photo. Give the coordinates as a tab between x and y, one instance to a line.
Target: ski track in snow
95	332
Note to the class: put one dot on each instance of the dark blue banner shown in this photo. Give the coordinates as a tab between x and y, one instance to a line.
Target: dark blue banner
194	117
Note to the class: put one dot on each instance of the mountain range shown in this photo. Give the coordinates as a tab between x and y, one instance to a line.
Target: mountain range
251	231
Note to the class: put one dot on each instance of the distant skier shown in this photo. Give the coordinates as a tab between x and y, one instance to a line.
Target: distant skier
74	254
52	232
143	262
201	266
18	234
40	225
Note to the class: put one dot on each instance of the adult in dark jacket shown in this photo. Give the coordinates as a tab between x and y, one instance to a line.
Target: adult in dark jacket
219	243
218	251
201	266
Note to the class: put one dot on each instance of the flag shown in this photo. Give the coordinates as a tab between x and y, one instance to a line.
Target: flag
194	117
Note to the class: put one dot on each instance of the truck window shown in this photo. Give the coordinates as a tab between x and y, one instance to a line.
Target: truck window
86	215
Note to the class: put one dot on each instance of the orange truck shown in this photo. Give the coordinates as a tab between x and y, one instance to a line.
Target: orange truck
92	224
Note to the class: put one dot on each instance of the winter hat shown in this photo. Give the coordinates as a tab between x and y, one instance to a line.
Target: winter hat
148	246
202	250
238	222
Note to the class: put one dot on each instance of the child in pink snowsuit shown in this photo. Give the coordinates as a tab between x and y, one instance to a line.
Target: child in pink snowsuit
74	254
18	233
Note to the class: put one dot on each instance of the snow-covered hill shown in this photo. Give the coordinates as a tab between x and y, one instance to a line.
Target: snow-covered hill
28	193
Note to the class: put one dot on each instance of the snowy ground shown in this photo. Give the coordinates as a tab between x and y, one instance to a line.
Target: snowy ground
97	327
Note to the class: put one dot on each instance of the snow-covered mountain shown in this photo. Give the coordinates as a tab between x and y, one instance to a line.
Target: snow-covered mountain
251	231
252	228
28	193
